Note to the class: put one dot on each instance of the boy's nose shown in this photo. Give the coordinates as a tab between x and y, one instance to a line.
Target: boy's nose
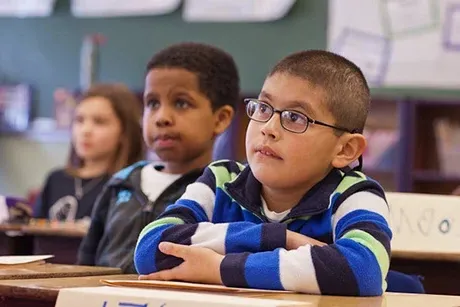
164	117
271	129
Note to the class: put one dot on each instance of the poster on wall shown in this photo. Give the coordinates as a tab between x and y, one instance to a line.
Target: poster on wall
15	101
399	43
118	8
26	8
235	10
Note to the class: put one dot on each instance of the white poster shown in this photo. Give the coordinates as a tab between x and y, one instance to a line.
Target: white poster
26	8
368	51
116	8
405	16
235	10
399	43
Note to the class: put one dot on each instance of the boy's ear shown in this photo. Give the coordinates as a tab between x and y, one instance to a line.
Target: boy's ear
223	117
351	147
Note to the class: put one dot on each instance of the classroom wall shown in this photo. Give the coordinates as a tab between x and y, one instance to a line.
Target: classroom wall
45	53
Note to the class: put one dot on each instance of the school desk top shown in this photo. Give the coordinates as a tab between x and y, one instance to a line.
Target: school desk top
47	228
47	288
426	255
46	291
4	227
49	270
387	300
64	230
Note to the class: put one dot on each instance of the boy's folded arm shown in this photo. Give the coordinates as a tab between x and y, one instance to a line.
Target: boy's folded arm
356	264
186	223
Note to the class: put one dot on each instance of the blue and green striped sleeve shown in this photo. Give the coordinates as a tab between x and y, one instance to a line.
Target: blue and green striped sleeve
190	221
355	264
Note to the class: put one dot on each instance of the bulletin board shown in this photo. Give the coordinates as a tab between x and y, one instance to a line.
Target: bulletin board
399	43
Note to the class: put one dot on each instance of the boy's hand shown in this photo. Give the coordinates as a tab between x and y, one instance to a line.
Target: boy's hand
200	264
295	240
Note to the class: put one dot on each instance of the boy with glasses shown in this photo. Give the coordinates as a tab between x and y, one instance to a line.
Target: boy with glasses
297	217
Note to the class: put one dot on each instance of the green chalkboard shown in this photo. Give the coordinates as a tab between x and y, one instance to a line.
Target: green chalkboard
45	52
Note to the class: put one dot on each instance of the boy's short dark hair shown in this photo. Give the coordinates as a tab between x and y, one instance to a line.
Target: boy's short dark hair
216	70
345	88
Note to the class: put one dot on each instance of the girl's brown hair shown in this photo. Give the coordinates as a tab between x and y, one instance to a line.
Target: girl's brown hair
128	109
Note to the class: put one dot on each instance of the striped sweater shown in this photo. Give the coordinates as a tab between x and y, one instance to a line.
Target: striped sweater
222	211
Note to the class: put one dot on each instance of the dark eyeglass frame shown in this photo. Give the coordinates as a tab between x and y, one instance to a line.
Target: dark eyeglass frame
280	112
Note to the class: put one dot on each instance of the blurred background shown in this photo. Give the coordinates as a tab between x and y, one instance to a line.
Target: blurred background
408	50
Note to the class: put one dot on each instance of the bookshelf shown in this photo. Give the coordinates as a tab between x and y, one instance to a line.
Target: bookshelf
427	172
417	163
382	133
413	163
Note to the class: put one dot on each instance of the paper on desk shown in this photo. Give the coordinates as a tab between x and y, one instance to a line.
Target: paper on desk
16	260
179	285
110	296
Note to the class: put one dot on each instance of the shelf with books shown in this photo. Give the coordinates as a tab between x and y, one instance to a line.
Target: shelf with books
382	134
435	151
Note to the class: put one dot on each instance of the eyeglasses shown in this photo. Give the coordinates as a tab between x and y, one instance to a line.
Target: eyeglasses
292	121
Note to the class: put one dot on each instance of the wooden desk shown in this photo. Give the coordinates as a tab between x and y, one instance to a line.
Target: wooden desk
15	245
425	256
440	277
49	270
57	230
4	227
47	229
441	271
43	292
47	289
61	240
388	300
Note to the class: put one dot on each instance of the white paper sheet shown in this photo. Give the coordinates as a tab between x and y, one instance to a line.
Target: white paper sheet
235	10
26	8
114	296
114	8
181	285
424	223
14	260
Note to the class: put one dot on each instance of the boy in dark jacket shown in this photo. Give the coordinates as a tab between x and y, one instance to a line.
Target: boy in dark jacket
190	94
